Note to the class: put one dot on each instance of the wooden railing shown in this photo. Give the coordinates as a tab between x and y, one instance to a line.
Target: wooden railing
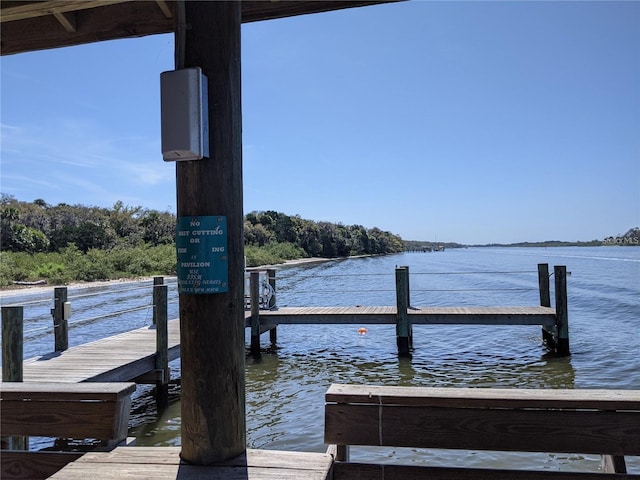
59	410
605	422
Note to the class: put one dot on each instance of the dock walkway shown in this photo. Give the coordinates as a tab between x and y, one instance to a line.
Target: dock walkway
163	463
131	355
419	315
120	358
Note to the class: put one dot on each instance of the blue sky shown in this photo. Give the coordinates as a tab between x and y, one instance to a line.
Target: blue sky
472	122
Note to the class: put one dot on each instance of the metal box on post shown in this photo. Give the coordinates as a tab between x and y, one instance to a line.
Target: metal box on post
185	114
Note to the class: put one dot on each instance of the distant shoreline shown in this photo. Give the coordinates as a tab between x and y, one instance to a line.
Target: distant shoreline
21	289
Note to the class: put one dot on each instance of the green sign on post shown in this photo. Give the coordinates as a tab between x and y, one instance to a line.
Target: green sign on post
203	265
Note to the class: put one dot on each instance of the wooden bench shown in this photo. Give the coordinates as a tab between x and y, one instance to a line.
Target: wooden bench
605	422
60	410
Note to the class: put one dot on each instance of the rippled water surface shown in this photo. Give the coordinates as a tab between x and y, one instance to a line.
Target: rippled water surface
285	388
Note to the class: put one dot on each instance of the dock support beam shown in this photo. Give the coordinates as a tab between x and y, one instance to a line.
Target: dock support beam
60	323
254	289
403	325
12	343
548	336
271	278
212	325
162	343
562	311
12	353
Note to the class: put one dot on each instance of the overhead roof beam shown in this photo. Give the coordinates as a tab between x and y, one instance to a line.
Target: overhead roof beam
67	20
12	11
35	25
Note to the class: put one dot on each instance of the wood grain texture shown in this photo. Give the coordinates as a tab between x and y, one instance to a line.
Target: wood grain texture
68	410
33	465
164	463
520	430
605	422
599	399
355	471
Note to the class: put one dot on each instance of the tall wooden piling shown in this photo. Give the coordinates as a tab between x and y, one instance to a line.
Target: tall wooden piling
254	289
160	318
271	278
406	267
548	336
60	320
212	325
562	310
12	353
403	325
12	343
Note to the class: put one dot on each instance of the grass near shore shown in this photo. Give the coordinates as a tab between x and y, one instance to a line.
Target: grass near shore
71	266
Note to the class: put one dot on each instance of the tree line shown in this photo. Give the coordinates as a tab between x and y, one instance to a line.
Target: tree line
63	243
39	227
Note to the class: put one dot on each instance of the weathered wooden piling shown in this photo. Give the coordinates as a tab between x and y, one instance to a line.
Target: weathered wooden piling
406	267
254	288
548	336
60	320
162	343
403	324
271	279
157	281
562	311
12	353
212	325
12	343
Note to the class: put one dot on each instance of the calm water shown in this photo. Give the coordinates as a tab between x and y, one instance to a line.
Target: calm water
285	388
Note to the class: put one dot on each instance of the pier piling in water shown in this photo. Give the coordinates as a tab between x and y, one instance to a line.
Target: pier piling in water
60	319
562	311
12	353
12	343
160	319
254	287
548	336
271	278
403	324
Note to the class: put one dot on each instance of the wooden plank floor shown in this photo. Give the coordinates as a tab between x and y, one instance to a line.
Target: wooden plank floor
119	358
163	463
418	315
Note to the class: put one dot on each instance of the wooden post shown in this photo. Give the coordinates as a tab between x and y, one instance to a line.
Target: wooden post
254	289
548	336
12	343
162	343
342	453
403	326
12	353
613	464
212	325
562	311
271	278
156	281
406	267
60	323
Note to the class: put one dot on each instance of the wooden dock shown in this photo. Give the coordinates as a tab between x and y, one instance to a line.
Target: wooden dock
554	321
129	356
358	315
163	463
